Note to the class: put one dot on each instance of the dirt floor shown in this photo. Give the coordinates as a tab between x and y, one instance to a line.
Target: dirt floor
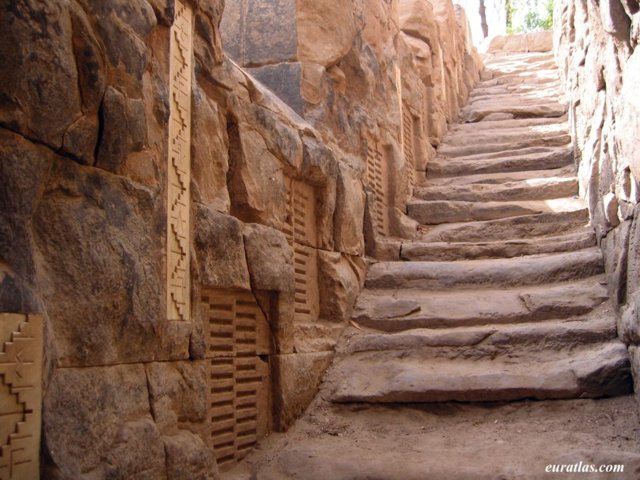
451	441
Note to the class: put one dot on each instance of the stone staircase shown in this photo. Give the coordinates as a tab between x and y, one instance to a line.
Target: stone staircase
502	297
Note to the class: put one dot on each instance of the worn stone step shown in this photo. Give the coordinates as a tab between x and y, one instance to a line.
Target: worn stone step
447	251
598	371
443	211
527	226
476	112
529	189
499	178
513	123
455	151
394	310
516	160
504	135
530	270
521	341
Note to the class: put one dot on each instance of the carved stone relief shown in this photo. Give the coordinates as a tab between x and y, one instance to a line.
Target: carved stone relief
20	396
179	171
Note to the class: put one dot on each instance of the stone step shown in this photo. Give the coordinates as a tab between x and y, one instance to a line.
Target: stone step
515	160
513	123
456	151
476	112
395	377
442	211
447	251
499	178
530	189
527	226
525	340
530	270
396	310
504	135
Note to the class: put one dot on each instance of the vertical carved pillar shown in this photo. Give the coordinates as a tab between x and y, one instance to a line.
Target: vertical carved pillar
408	147
20	396
179	168
378	181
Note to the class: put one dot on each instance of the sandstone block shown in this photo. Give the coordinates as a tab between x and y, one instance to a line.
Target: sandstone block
39	78
284	79
104	297
123	129
256	181
298	377
219	249
340	279
326	30
209	152
348	218
97	424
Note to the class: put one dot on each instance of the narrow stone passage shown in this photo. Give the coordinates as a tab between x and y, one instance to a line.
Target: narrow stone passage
502	298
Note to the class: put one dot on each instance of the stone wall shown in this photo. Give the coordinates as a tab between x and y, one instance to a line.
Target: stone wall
596	48
192	242
379	78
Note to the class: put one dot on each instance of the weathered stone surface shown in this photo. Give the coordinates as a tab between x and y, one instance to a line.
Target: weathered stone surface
256	181
325	30
260	32
298	377
97	424
123	129
105	317
284	79
348	219
629	120
407	379
219	249
39	79
209	153
340	279
122	26
269	258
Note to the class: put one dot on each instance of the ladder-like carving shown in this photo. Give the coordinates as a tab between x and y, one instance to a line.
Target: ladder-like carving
179	168
300	230
408	147
239	379
20	396
378	181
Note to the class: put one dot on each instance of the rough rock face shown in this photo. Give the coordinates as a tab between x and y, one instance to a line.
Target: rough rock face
285	193
596	47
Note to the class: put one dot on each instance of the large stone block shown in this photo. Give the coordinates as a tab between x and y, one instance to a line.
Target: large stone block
340	279
100	269
326	30
348	218
97	424
256	181
209	152
284	79
260	32
628	119
39	93
219	250
297	378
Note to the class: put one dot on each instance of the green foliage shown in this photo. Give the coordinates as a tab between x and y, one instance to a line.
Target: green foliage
534	15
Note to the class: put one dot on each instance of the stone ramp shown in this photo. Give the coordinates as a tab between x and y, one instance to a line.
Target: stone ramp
502	296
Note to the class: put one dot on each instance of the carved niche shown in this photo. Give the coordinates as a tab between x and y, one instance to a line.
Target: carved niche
179	168
239	380
300	230
20	396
